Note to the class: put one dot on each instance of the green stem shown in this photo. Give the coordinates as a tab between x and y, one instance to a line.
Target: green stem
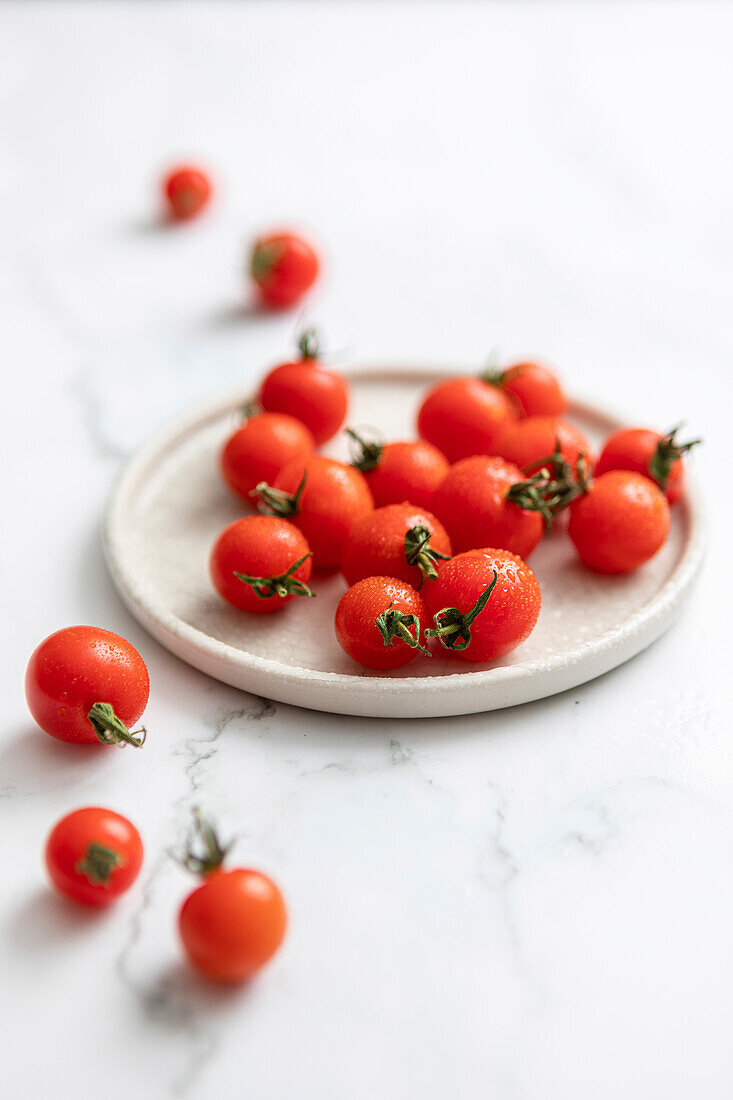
419	552
666	453
283	585
367	453
275	502
98	863
308	344
453	627
553	487
214	851
111	730
393	624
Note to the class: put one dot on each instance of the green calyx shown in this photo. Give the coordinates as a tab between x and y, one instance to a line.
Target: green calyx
553	488
453	627
214	852
366	453
309	344
98	864
274	502
492	373
419	552
667	451
263	259
283	585
111	730
395	625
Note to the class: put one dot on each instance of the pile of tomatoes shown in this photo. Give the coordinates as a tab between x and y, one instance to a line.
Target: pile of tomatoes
432	534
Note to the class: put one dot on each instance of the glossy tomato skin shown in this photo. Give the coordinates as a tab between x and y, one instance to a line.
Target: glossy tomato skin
375	544
633	449
535	389
511	612
260	448
77	667
261	546
356	615
284	267
311	393
530	440
232	924
465	416
187	191
407	472
334	497
471	502
70	861
620	523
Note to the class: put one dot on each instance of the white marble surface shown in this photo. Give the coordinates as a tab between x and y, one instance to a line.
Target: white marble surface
532	904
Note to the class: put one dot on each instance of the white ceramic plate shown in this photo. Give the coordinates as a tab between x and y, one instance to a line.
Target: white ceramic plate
170	503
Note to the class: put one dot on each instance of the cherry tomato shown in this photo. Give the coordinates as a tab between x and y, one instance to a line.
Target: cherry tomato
261	447
233	923
528	443
656	456
397	472
465	416
87	686
484	604
397	541
93	855
284	267
187	191
378	622
535	389
260	563
307	390
620	522
323	498
472	504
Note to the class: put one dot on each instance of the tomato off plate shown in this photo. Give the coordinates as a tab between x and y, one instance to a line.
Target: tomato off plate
170	503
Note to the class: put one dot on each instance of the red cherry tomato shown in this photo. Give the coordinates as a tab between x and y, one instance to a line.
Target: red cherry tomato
397	472
233	923
93	855
472	504
620	523
187	191
260	563
284	267
323	498
378	622
535	389
305	389
464	417
484	604
397	541
656	456
261	447
87	686
528	442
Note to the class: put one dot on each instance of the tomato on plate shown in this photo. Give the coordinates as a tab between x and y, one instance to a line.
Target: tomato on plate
258	450
531	442
284	266
307	390
401	471
397	541
484	604
323	498
473	505
260	563
378	622
93	855
535	390
464	417
86	685
187	191
235	921
619	522
659	457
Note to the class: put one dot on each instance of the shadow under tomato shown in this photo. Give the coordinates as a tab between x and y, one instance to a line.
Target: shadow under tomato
46	921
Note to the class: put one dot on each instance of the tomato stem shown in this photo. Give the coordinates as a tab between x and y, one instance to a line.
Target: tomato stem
214	851
264	257
553	487
283	585
98	863
111	730
666	453
274	502
308	344
367	453
393	624
453	627
419	552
